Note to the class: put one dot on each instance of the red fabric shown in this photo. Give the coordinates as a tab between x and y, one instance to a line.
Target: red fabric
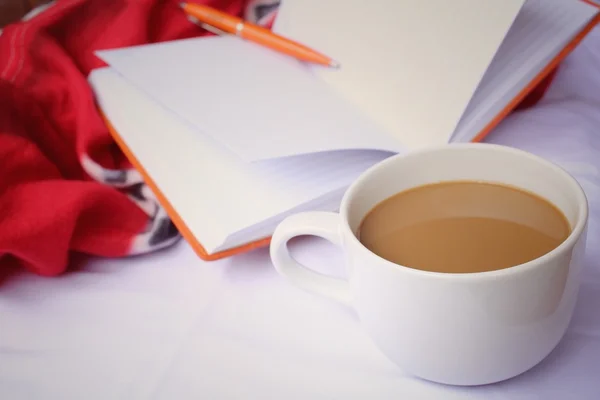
49	207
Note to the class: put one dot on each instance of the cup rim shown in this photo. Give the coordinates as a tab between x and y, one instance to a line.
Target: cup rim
565	246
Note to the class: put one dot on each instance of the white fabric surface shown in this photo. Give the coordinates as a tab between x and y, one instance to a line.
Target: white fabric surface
169	326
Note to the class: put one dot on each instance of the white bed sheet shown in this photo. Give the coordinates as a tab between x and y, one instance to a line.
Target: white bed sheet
169	326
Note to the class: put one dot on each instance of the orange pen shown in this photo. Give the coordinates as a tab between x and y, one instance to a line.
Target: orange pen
254	33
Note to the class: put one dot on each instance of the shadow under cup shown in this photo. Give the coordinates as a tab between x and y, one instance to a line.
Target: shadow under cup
468	328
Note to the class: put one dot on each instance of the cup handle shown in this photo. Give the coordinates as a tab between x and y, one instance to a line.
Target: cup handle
316	223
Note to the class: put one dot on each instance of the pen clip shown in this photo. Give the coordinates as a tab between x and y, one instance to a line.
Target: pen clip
209	28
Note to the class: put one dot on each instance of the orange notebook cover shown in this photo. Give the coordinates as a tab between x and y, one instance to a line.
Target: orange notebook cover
532	89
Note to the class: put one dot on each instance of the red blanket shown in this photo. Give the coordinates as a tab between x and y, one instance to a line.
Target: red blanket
65	188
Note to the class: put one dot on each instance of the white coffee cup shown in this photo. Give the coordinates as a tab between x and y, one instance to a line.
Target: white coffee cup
458	329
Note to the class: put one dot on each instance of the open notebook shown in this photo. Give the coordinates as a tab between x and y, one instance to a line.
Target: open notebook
233	137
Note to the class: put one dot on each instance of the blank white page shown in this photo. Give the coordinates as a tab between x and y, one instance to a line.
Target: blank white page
214	192
410	65
541	31
258	103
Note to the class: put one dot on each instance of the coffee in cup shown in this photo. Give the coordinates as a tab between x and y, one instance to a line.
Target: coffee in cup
463	227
